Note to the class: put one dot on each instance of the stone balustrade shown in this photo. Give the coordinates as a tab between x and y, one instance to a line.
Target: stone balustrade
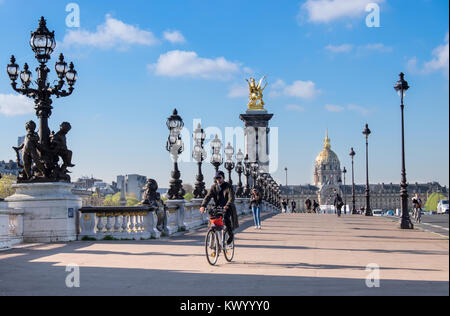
11	227
141	222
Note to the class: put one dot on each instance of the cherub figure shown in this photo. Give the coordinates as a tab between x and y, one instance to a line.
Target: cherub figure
58	145
30	152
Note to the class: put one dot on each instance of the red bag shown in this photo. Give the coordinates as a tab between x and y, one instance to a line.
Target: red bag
217	222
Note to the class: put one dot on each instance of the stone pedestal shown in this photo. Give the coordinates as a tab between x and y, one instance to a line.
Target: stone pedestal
175	216
50	211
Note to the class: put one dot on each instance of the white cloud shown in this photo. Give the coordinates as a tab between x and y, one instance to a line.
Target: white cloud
188	64
12	105
377	47
299	89
334	108
175	37
440	62
238	91
324	11
295	108
302	89
112	34
345	48
359	109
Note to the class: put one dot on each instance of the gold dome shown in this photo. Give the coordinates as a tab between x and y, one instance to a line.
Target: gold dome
327	156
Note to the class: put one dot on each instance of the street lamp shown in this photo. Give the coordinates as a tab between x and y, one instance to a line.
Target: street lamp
255	174
247	174
229	164
175	146
199	154
46	158
401	87
367	132
352	154
345	193
216	158
239	169
287	188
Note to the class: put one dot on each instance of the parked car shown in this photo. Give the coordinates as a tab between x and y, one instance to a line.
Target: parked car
378	213
389	213
442	207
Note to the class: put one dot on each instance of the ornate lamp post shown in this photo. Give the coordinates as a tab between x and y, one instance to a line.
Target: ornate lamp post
229	164
367	132
352	154
247	174
401	87
239	169
216	158
199	155
175	146
255	173
345	193
45	157
287	188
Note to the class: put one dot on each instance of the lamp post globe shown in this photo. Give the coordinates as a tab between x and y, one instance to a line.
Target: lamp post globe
229	164
216	158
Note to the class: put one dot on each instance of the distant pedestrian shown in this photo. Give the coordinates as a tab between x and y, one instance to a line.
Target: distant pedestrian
315	207
417	204
308	205
293	206
255	202
284	205
338	204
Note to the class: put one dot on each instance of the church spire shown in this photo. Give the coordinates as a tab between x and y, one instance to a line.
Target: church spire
327	144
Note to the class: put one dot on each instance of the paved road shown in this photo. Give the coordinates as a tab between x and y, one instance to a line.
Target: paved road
438	224
294	254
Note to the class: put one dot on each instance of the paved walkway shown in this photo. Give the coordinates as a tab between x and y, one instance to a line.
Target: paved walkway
294	254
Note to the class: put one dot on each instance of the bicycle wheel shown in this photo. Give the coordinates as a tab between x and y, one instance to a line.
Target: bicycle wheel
228	250
211	247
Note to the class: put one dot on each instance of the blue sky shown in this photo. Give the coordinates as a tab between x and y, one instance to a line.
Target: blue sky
138	60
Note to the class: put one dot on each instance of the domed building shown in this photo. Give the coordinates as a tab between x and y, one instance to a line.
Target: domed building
328	179
327	168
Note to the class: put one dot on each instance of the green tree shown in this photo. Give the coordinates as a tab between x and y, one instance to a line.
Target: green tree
114	200
188	196
6	183
433	200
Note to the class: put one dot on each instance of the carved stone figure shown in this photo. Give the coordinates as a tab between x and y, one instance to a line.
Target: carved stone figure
153	199
31	154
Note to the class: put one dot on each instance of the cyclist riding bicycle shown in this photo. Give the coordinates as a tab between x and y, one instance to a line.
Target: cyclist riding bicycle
223	194
417	204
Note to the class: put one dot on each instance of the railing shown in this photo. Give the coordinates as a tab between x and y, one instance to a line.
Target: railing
11	228
141	222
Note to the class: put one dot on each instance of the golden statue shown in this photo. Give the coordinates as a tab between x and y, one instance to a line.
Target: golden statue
256	102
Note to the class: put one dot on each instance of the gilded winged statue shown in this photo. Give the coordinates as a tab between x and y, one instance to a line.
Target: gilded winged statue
256	94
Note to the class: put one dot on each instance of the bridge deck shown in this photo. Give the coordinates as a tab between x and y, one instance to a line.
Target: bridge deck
294	254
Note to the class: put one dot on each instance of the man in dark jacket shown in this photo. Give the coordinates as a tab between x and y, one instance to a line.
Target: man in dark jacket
338	204
223	194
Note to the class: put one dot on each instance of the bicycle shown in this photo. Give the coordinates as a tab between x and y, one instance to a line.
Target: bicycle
418	215
216	238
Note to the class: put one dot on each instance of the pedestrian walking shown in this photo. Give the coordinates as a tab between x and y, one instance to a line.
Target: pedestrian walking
284	205
255	203
315	207
308	205
293	206
338	204
417	204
